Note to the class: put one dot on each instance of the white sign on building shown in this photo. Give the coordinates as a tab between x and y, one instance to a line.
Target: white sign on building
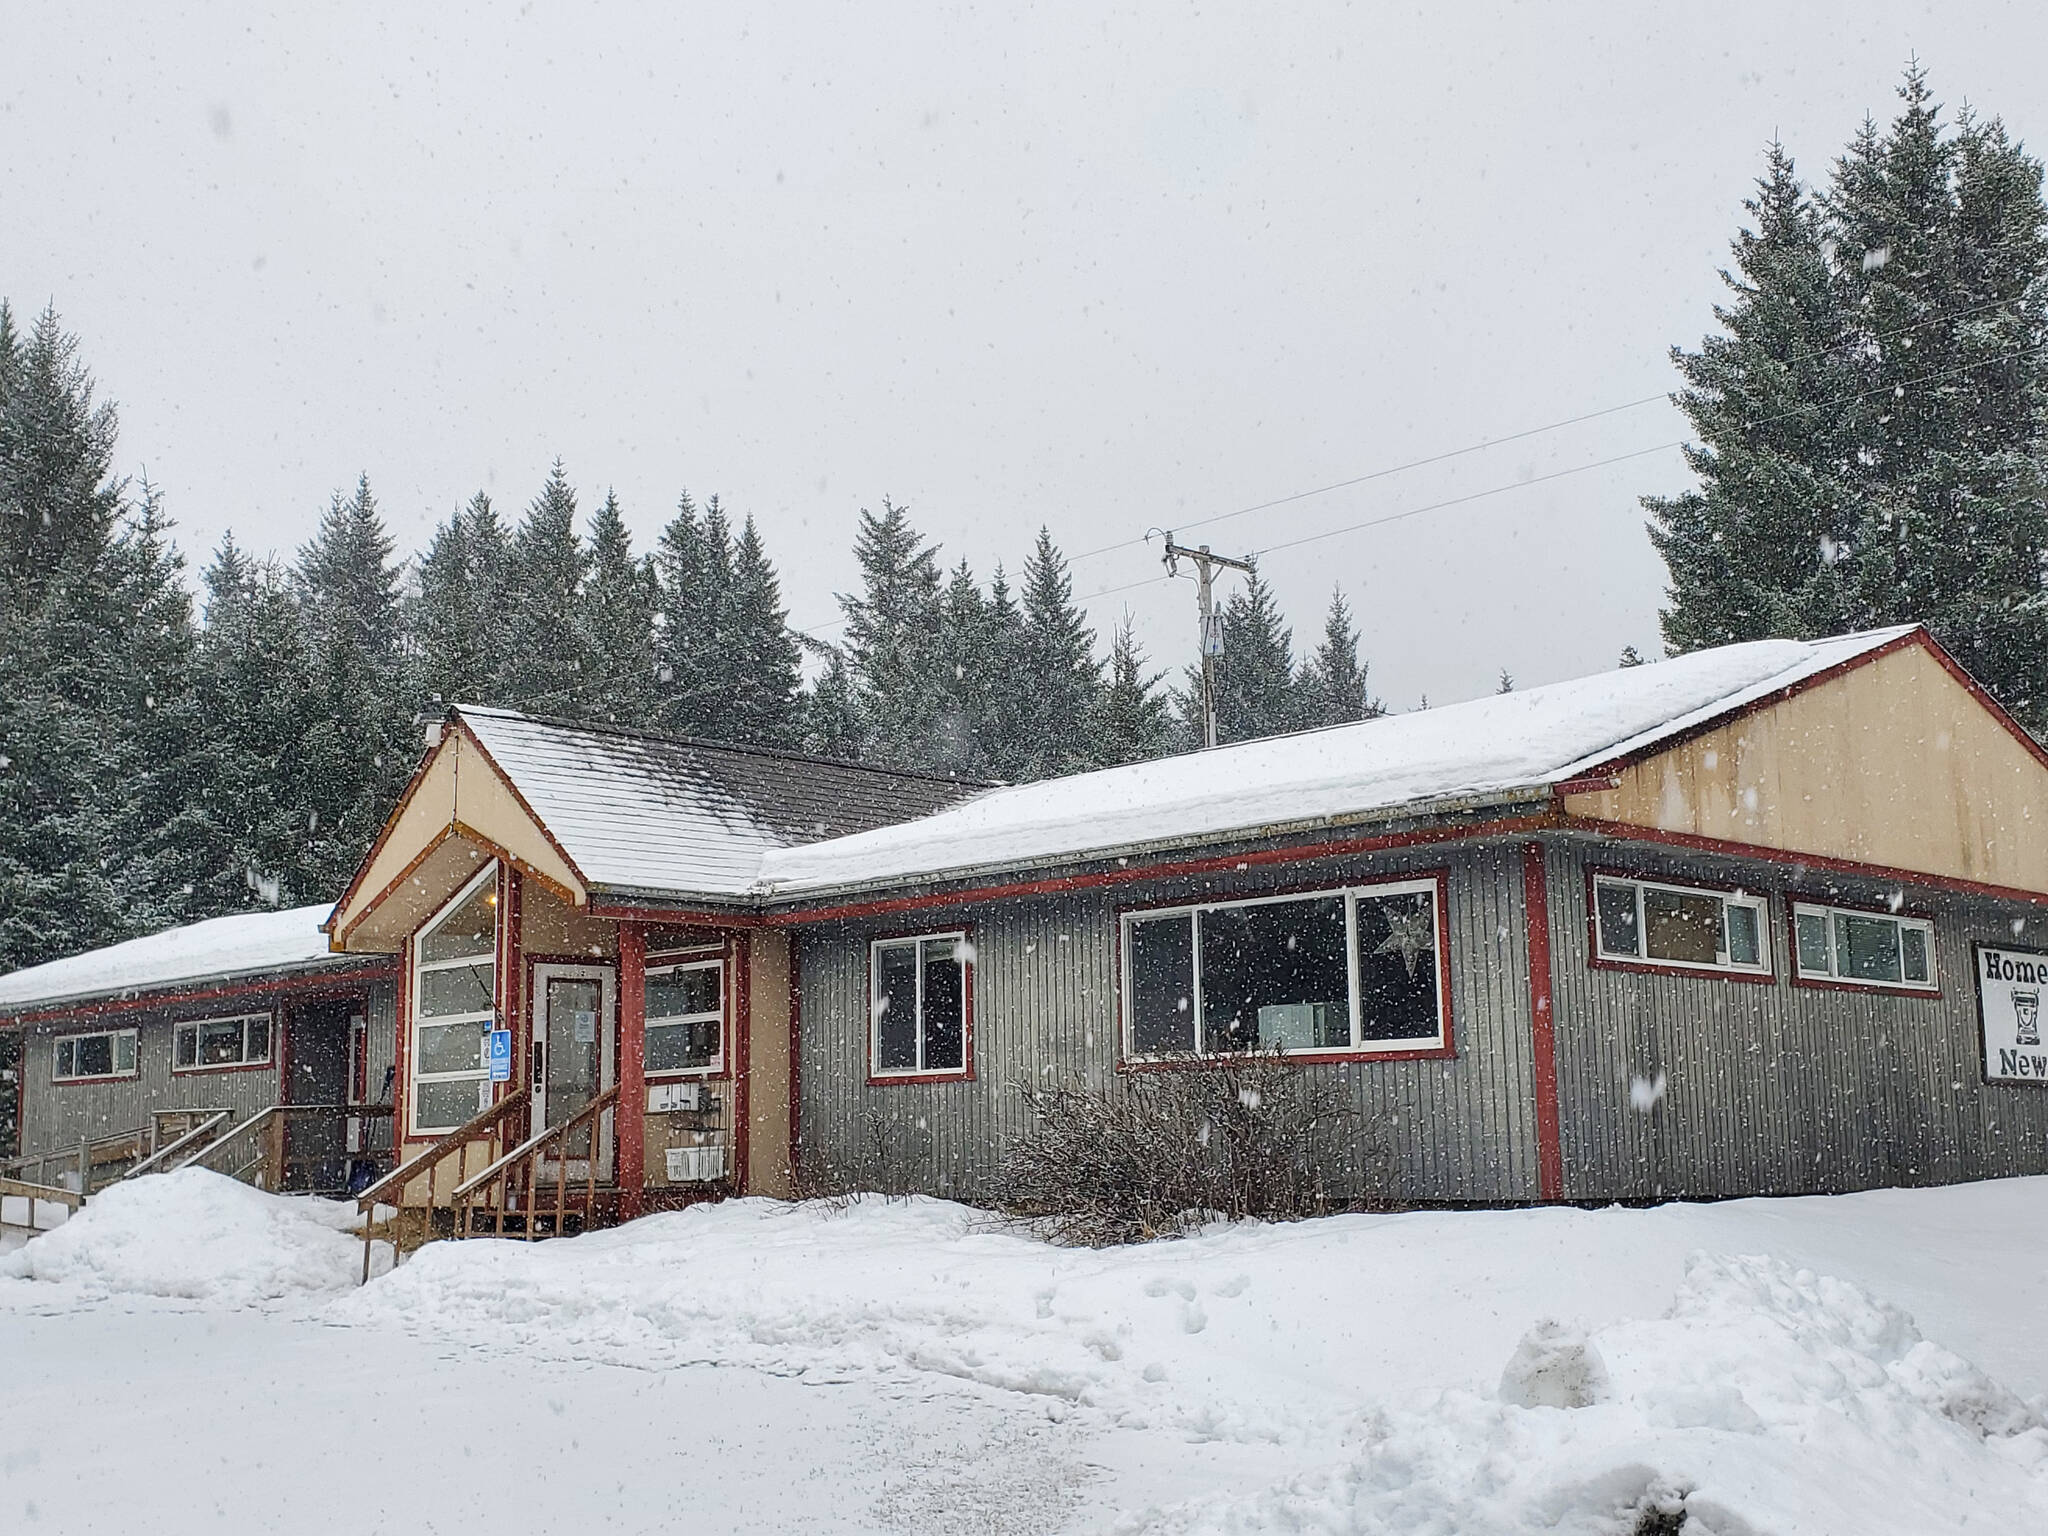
2010	987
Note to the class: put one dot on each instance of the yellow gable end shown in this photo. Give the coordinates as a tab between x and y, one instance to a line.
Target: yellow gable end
1893	763
458	809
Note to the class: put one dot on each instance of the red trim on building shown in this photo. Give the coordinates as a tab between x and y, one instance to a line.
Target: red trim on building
1621	831
1599	962
965	1072
331	982
1131	874
630	1128
742	1064
1543	1028
676	917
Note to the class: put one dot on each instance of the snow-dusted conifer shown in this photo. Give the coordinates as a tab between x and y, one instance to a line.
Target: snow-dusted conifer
1063	680
1332	689
617	620
892	641
1132	722
762	660
547	659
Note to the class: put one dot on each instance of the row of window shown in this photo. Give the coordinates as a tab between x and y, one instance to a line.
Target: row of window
1350	971
199	1045
1644	922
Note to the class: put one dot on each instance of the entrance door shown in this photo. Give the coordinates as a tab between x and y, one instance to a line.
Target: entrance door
575	1053
317	1046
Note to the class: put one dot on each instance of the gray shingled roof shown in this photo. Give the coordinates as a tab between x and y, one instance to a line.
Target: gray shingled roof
673	817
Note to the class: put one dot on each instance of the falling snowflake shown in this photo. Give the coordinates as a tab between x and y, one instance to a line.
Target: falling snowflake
1644	1094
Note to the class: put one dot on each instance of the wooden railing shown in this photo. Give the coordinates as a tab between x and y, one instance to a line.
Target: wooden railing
259	1151
199	1139
487	1127
515	1185
82	1161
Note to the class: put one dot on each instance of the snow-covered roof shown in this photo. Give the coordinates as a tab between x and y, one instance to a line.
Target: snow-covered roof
1495	750
669	816
218	949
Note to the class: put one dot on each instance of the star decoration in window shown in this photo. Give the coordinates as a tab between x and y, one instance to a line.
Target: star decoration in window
1411	934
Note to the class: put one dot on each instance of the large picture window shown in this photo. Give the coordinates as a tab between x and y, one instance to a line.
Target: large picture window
80	1058
919	992
1651	923
454	1006
1345	971
686	1018
201	1045
1852	948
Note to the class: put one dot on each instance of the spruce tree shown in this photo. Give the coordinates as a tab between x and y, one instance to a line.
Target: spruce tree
1332	688
1254	677
763	662
971	673
617	620
1773	404
693	570
832	724
1131	721
1064	680
58	499
358	745
547	657
253	675
456	623
893	654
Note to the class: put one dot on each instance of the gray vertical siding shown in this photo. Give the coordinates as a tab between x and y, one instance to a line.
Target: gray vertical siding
1771	1087
1046	1010
55	1116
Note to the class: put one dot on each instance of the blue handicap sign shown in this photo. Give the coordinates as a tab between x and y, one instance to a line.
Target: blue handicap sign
501	1055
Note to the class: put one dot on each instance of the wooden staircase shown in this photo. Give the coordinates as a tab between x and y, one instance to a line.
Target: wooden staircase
488	1177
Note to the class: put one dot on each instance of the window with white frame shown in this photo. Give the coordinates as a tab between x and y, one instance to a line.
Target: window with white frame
200	1044
1841	944
686	1017
1656	923
1349	970
918	991
454	1002
107	1053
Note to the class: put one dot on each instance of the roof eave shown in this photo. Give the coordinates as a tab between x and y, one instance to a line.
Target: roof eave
168	992
1439	809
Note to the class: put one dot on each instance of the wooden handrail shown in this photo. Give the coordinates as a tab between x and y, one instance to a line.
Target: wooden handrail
526	1159
204	1128
21	1189
538	1142
392	1186
440	1151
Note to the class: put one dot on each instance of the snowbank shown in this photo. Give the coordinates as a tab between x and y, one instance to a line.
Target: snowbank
200	1236
1416	1359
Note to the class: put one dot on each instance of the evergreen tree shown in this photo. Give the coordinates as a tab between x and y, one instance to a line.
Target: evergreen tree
547	661
1874	445
971	674
357	746
1254	677
1332	688
893	654
456	623
58	499
1063	678
763	660
1773	406
618	600
693	569
253	675
831	720
1132	722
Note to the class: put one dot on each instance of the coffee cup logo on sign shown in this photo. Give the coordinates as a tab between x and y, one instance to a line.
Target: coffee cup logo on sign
2027	1006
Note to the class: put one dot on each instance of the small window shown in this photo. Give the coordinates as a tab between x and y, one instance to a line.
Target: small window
918	999
110	1053
686	1018
206	1043
1347	970
1850	947
1680	925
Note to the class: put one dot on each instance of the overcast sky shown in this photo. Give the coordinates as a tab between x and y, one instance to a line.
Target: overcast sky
1009	266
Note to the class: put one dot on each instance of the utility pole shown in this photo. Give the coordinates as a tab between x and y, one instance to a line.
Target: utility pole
1212	621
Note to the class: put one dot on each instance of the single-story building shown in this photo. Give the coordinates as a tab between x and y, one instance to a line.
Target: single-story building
1771	918
125	1048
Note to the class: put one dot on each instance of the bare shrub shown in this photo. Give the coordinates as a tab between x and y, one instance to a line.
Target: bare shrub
1197	1138
877	1162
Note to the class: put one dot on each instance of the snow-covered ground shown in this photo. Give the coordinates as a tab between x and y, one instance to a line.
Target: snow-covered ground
1872	1363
